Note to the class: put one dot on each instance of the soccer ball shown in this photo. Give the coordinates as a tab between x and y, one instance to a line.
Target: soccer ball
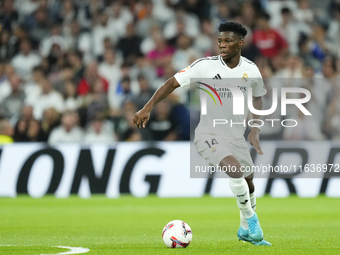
177	234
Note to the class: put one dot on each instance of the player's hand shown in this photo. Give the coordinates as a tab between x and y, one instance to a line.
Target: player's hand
254	139
141	118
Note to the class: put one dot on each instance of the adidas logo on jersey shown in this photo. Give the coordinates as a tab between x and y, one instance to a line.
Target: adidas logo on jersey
217	77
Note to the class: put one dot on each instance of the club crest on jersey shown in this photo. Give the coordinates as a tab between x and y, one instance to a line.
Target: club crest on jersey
245	77
213	150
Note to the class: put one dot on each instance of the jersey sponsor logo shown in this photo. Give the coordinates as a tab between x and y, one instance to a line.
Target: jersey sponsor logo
245	77
226	93
212	89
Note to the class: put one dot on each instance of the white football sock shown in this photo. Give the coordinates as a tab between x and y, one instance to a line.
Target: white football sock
240	189
243	220
252	197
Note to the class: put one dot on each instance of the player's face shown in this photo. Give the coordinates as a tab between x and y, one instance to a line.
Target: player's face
229	44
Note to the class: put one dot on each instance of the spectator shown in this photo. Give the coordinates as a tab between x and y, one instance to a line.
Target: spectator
8	15
26	8
190	20
75	60
126	123
19	34
129	45
131	135
110	70
27	112
13	104
68	131
142	67
90	77
5	87
34	132
25	61
289	29
184	54
76	39
249	49
320	45
124	93
104	31
161	55
49	98
267	39
20	130
101	31
181	31
97	134
203	42
162	11
50	120
148	43
96	100
145	19
306	54
163	125
7	47
109	45
304	14
201	8
67	13
38	25
145	92
6	132
61	77
54	38
32	88
120	16
71	101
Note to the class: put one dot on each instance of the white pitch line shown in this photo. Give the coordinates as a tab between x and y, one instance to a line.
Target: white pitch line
73	250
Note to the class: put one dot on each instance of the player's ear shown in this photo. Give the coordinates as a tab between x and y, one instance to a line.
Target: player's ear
240	43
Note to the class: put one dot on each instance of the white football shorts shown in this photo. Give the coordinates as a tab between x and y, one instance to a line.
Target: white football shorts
214	148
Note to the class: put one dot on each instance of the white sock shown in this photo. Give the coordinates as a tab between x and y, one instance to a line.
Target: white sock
243	220
240	189
252	197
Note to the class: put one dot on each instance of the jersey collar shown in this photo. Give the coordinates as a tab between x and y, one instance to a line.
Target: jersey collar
239	64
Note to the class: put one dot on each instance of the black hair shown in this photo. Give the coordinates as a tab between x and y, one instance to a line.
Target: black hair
231	26
126	79
285	10
332	59
263	15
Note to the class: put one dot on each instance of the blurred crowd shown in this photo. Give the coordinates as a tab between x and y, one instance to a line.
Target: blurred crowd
78	70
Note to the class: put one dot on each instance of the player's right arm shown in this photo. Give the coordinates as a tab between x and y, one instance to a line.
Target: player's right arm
143	116
182	78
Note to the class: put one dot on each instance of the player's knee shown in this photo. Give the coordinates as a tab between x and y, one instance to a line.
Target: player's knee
238	174
232	166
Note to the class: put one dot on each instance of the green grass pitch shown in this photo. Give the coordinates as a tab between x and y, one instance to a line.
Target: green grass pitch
131	225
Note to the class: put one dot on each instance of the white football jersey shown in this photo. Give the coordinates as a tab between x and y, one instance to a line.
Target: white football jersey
244	75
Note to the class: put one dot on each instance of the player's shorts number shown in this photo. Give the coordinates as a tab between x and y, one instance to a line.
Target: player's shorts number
213	142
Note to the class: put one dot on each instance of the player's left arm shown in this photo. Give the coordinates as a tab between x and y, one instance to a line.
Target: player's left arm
254	135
